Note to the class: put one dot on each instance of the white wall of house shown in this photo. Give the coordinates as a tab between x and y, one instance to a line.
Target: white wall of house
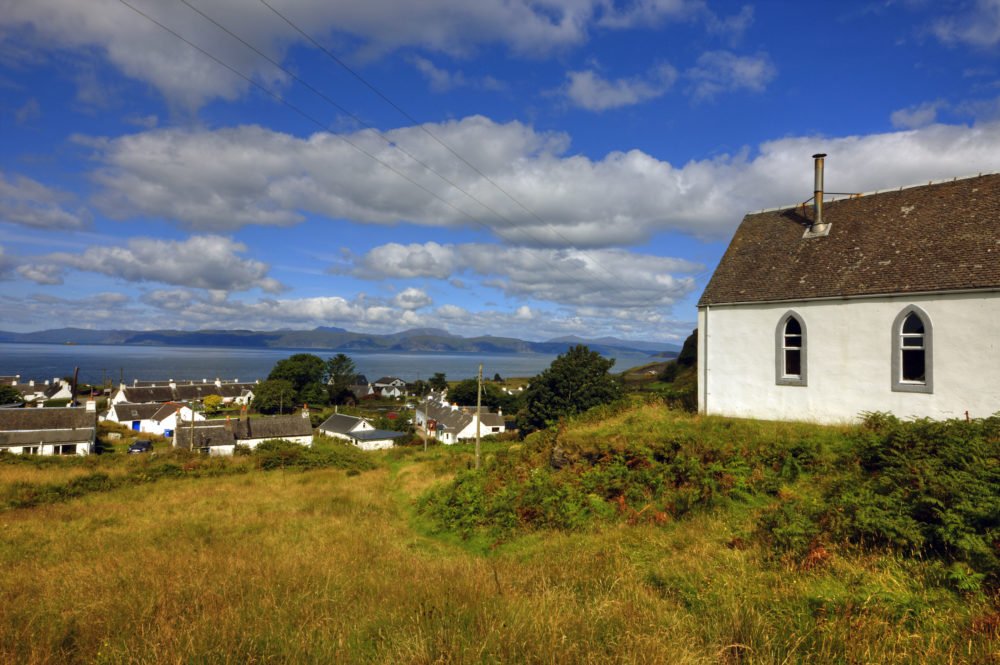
78	448
169	423
374	444
849	349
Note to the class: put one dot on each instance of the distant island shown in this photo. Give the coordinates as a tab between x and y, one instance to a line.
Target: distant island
428	340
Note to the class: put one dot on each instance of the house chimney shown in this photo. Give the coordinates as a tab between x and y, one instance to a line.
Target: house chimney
305	411
243	414
31	383
229	424
91	406
819	227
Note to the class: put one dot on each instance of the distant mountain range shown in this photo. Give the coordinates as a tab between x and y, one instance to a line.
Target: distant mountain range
335	339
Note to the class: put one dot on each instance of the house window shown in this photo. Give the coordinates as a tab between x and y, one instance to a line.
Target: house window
29	450
790	351
65	449
912	352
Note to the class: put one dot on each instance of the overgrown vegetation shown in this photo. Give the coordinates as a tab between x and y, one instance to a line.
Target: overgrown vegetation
103	473
927	490
630	533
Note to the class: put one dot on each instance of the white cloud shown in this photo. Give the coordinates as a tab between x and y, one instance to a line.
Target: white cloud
206	262
412	299
188	79
916	116
443	80
977	26
42	273
588	90
596	278
722	71
30	203
223	179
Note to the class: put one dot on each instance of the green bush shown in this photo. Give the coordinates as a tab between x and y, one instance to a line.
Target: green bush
928	489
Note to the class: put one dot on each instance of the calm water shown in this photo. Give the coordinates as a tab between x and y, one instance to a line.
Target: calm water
45	361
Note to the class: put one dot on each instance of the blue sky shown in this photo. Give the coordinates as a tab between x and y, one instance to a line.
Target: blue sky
545	168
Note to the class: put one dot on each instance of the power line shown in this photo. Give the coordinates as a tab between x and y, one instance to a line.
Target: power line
421	126
312	119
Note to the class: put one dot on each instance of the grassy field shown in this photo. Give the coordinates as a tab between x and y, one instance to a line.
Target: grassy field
328	561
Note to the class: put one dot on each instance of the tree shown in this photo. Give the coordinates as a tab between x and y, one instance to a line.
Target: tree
575	381
464	393
10	395
688	356
213	404
419	388
299	370
274	396
341	372
438	381
498	378
314	393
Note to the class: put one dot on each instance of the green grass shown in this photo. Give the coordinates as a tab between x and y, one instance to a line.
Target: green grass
307	564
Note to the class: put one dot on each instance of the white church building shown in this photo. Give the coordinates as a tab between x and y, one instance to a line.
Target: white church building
887	301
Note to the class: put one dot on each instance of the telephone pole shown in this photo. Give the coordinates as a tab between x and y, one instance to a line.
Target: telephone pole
479	406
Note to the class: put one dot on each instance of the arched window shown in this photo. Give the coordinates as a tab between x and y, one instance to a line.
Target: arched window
790	351
912	357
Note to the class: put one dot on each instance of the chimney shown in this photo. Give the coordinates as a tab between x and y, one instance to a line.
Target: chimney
305	411
229	424
91	406
243	414
31	383
819	227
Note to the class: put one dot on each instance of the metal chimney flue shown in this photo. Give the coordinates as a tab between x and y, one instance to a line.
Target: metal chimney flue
819	227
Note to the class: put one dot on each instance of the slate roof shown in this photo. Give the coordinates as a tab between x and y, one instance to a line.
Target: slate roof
376	435
137	395
340	423
215	432
47	437
458	419
46	419
936	237
128	411
390	380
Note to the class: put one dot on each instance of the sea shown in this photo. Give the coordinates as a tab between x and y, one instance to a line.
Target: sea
100	363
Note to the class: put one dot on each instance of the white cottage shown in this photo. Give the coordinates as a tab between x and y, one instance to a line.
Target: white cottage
51	431
887	301
451	423
359	432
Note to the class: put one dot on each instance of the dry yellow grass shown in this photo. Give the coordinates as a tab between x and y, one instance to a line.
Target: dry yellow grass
324	567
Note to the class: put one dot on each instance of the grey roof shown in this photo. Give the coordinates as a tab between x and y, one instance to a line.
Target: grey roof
129	411
46	419
195	391
340	423
221	432
460	418
149	394
48	437
376	435
936	237
389	380
165	410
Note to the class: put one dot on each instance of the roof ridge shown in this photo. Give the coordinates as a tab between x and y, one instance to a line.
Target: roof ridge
847	197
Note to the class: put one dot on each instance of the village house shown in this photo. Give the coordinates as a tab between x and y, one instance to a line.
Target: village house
49	431
36	393
886	301
390	386
221	436
151	417
451	423
231	392
359	432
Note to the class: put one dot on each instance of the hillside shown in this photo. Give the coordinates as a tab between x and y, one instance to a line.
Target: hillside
634	534
327	338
